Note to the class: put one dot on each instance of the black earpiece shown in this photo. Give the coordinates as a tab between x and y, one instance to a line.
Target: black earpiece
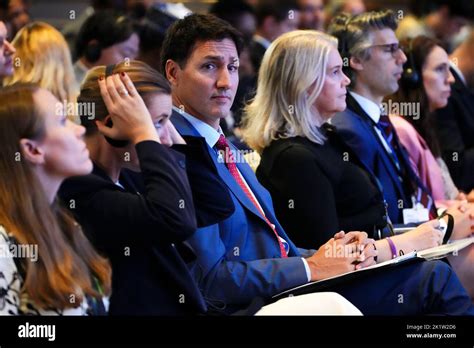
115	142
410	75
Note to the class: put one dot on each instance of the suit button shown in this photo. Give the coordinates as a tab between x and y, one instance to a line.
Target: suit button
182	164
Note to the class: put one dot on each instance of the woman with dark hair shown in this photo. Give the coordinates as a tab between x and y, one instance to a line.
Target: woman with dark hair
60	273
431	88
140	220
429	85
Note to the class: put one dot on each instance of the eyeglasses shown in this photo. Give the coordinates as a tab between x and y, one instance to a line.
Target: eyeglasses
389	48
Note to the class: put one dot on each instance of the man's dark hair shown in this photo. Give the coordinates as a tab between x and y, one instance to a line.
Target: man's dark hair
353	32
231	10
278	9
108	27
153	29
184	34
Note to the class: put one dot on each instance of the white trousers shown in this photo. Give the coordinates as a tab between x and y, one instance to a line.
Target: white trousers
321	303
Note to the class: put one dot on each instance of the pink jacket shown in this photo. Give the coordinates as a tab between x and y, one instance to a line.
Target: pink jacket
421	158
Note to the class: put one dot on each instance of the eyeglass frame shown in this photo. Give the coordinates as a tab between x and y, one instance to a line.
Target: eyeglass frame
394	47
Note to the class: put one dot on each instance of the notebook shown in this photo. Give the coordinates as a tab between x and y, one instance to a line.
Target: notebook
427	254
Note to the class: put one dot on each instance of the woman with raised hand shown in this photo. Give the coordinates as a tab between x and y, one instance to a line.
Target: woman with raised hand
47	266
139	220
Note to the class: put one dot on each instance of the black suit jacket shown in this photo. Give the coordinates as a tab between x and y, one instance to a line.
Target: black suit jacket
140	228
257	51
455	128
317	190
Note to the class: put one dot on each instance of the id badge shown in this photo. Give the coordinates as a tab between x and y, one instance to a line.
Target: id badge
415	215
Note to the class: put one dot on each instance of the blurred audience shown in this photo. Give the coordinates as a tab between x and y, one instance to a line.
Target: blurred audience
440	19
6	53
335	7
15	15
312	14
106	37
152	33
71	29
43	57
274	17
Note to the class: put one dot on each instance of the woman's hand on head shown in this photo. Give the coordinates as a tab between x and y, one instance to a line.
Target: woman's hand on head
129	114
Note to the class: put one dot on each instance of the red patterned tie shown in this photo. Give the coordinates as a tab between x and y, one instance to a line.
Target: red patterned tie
223	146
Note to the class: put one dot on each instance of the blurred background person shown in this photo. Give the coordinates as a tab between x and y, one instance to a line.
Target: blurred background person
44	58
6	53
106	37
335	7
312	14
71	30
66	276
440	19
152	31
15	14
274	18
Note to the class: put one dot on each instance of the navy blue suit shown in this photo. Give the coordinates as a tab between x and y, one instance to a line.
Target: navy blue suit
238	259
357	130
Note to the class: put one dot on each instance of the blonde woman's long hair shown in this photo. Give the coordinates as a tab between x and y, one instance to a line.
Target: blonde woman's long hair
291	77
42	57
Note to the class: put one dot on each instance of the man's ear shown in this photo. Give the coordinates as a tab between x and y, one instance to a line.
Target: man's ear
172	70
31	151
356	64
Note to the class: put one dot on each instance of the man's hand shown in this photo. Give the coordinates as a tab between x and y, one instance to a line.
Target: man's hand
344	253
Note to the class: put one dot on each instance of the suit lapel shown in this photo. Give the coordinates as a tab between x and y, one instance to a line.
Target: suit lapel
185	128
382	153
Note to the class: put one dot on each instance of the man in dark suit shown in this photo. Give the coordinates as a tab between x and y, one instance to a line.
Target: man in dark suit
455	122
274	18
364	125
249	255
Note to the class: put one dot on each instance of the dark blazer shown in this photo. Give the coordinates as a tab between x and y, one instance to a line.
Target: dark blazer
257	51
455	129
140	228
317	190
357	130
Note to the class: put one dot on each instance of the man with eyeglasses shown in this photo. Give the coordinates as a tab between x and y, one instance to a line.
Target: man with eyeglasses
374	62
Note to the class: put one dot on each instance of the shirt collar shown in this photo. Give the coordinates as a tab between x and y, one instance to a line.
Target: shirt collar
210	134
262	41
372	109
459	72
